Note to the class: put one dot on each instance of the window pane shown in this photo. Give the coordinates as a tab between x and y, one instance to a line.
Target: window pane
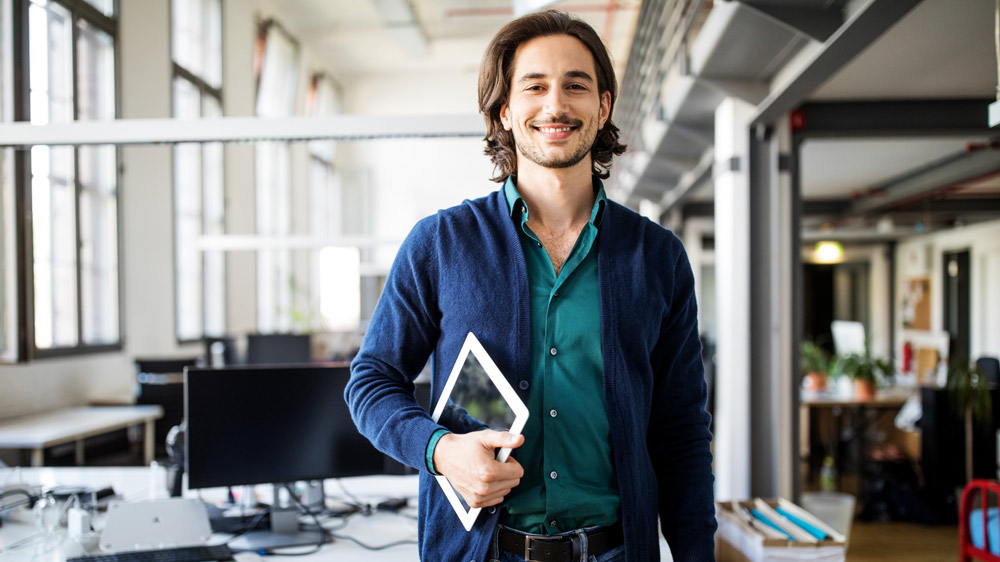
54	243
96	72
274	267
279	75
197	38
98	202
51	57
99	244
340	287
8	239
214	223
8	259
106	7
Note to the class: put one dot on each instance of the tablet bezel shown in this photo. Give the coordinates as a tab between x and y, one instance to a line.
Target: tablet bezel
473	346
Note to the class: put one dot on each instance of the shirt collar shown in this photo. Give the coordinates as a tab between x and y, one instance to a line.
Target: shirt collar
516	204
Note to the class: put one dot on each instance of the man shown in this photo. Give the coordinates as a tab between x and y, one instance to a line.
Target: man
587	309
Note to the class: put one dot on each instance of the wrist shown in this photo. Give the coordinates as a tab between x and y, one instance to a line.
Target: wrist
432	444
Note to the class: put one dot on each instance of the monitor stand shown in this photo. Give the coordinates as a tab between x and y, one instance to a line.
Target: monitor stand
284	530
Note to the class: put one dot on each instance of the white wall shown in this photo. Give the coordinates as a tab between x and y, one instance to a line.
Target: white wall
983	242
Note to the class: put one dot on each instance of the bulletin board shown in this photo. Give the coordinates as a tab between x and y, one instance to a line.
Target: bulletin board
917	304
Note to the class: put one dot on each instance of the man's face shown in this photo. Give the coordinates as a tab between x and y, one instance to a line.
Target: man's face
555	109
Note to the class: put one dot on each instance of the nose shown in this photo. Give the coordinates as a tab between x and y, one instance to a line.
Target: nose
555	102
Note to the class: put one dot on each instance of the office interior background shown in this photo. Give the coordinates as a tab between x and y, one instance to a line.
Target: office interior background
756	130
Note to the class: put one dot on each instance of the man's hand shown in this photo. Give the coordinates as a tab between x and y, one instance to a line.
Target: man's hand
468	462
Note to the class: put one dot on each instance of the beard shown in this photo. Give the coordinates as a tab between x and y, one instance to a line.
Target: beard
533	152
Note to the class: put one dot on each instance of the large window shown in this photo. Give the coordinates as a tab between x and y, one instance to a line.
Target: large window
8	233
199	192
277	76
72	192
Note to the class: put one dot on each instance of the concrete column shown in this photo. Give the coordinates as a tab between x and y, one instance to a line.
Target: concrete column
732	251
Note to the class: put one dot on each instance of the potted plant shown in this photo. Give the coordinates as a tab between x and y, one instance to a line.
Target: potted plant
815	365
969	393
867	372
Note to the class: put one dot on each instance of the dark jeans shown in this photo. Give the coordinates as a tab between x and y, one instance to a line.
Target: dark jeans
616	554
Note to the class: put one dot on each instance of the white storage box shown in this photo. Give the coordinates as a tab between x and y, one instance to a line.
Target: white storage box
741	540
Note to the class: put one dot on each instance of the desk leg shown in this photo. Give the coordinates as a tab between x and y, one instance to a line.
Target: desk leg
79	452
149	447
37	456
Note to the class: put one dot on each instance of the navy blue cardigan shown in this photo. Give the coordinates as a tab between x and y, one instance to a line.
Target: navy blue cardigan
462	270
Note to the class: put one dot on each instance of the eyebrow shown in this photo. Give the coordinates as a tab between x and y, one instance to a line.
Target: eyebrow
569	74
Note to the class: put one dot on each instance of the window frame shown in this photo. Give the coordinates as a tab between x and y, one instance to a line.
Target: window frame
203	88
27	345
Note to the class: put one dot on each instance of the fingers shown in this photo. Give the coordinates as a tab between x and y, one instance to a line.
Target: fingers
487	495
495	439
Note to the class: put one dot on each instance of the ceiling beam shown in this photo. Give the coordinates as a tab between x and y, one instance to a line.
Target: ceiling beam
920	183
862	28
816	21
965	118
690	180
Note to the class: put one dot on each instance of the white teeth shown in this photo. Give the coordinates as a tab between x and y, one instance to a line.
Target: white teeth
554	129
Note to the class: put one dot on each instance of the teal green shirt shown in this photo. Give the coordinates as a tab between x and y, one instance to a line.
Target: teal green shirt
569	477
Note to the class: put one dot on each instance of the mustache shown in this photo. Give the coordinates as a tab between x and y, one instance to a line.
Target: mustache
562	120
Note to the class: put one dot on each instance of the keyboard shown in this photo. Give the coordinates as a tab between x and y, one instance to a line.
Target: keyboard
212	553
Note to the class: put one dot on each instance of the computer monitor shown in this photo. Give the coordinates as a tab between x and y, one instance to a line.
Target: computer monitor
275	424
258	425
278	349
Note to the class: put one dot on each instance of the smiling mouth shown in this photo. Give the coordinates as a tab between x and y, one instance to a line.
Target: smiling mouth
559	129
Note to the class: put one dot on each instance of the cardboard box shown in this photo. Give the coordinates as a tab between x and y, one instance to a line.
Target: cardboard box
739	540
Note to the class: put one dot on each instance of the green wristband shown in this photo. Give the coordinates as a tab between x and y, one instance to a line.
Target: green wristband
435	437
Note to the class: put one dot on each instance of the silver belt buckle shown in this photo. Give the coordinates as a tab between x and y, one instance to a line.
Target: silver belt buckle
528	548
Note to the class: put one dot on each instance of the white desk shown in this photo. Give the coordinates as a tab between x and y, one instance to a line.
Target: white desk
134	484
38	431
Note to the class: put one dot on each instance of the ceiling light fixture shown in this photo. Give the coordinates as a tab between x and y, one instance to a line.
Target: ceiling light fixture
828	252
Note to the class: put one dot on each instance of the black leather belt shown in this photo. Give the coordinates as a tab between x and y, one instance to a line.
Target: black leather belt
560	548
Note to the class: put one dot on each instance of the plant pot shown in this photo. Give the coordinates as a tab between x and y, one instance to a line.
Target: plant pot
864	390
815	382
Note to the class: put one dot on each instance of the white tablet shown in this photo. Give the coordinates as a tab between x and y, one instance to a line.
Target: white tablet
477	396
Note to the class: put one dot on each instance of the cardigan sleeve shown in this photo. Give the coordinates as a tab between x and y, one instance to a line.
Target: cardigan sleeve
401	336
679	437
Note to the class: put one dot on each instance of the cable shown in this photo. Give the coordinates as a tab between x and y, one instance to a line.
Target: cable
249	526
370	547
29	500
323	533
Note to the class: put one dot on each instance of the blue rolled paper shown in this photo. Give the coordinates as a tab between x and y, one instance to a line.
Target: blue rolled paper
807	527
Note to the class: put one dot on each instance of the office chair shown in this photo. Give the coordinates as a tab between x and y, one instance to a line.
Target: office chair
990	366
160	382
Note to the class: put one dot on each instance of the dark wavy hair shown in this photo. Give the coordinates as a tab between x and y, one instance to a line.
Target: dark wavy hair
495	79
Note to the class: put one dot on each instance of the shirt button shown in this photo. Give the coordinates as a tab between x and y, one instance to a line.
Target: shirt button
553	351
553	475
552	523
524	385
539	244
493	509
553	413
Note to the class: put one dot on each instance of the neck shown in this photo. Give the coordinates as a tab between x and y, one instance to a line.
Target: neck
557	197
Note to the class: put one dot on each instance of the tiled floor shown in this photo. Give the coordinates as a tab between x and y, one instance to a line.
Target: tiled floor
887	542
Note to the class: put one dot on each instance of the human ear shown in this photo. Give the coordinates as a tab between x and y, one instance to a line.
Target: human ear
505	117
605	108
